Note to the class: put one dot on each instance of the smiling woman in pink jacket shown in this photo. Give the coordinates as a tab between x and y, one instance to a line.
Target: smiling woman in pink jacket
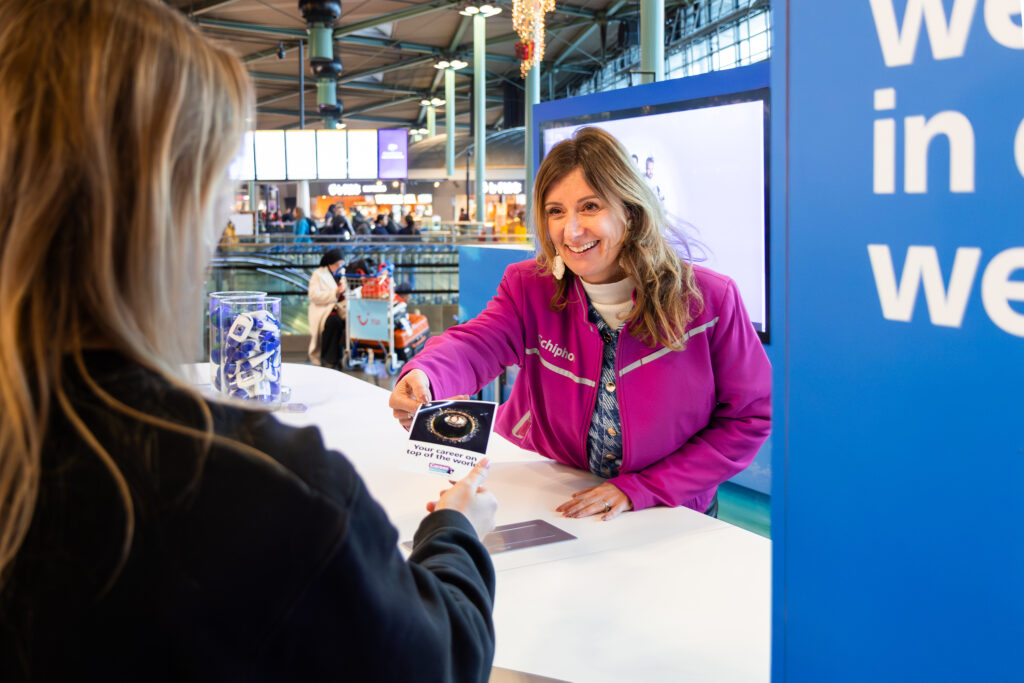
635	364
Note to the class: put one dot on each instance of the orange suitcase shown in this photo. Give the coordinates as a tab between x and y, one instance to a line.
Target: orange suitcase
419	326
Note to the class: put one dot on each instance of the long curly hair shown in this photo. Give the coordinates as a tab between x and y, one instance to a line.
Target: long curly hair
667	296
122	115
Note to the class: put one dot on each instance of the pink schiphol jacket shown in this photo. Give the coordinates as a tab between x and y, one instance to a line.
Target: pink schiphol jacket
691	419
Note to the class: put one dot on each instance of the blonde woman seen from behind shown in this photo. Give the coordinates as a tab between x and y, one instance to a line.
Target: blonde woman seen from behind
147	533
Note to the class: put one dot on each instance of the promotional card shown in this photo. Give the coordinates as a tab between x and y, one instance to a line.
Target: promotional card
447	438
520	535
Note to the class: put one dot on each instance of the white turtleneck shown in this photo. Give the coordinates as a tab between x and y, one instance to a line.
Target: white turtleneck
613	301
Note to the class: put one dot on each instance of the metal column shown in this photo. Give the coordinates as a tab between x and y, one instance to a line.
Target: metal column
302	187
652	40
449	121
302	86
479	116
431	121
532	98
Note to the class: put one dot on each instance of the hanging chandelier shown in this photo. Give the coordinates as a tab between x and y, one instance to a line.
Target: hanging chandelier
528	22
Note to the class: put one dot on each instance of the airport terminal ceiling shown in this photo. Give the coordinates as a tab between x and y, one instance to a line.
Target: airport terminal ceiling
388	49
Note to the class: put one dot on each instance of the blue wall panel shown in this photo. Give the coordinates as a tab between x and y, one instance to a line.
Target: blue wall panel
480	271
897	520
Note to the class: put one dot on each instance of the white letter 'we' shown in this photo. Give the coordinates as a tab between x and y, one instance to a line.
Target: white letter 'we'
948	40
946	307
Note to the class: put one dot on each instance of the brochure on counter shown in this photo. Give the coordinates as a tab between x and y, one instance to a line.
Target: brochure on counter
448	438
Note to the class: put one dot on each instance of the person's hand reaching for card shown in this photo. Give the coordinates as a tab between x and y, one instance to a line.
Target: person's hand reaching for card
469	497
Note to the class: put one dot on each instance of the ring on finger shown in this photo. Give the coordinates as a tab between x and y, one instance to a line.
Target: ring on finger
607	507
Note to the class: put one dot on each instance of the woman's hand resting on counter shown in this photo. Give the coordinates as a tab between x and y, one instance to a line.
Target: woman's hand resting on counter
469	497
605	498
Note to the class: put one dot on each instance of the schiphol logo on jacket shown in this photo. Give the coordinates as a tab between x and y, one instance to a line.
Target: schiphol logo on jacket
554	349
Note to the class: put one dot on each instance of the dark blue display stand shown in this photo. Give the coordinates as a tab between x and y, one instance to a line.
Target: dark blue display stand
898	497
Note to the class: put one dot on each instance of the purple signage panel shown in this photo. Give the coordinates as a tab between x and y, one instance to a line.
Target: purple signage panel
392	154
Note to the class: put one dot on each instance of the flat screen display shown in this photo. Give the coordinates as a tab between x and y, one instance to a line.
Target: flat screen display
243	166
706	160
362	154
332	154
270	156
392	154
300	153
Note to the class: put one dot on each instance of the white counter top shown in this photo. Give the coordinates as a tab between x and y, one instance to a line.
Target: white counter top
656	595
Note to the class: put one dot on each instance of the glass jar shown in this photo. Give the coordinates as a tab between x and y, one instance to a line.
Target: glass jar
250	332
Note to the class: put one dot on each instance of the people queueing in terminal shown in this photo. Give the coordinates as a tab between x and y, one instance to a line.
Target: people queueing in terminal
635	363
148	532
327	287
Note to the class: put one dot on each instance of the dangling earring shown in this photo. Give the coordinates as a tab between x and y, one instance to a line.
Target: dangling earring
558	267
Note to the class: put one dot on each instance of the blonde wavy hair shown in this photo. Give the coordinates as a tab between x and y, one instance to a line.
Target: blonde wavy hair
117	123
667	296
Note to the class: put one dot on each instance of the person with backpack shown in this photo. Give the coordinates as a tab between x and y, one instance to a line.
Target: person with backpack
304	226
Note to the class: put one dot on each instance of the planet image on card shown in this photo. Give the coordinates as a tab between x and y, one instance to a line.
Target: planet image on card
453	426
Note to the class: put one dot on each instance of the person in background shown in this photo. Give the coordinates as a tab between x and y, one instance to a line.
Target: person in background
326	313
328	227
463	215
380	226
340	224
410	226
304	226
636	364
289	216
392	225
148	532
649	179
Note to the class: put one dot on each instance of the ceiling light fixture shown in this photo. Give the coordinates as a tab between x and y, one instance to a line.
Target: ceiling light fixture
453	64
483	10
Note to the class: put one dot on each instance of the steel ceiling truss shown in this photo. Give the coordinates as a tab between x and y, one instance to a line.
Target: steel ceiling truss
289	39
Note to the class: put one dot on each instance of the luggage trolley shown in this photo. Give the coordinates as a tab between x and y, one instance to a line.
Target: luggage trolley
370	329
